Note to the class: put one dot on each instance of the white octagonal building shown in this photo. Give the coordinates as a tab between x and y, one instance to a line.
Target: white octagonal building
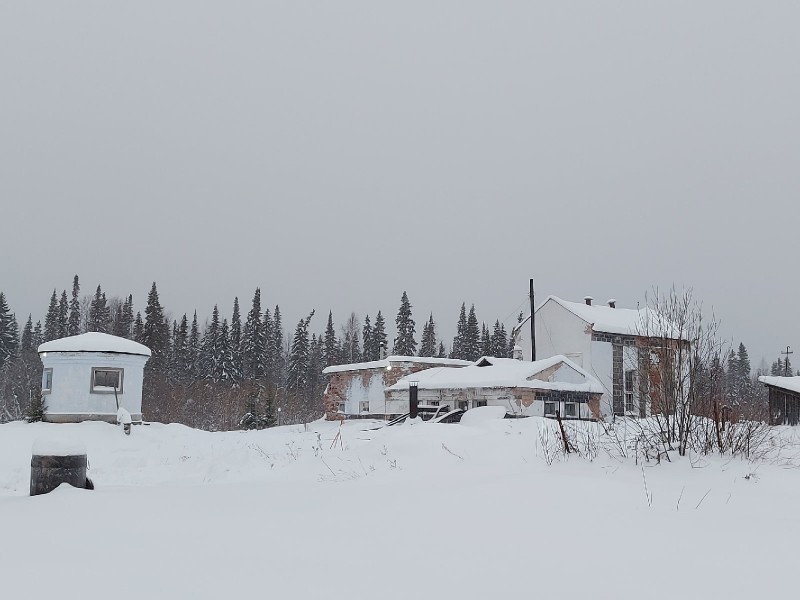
83	372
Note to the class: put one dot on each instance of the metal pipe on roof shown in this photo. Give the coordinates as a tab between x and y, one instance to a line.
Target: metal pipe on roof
533	326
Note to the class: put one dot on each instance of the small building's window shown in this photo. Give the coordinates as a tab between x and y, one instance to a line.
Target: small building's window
570	409
105	381
364	406
47	381
463	404
479	403
434	403
629	391
550	409
341	407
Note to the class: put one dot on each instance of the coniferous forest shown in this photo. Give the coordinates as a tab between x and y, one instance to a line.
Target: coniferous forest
242	369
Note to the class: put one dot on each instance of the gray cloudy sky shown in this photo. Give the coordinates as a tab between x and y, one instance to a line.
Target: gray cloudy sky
337	153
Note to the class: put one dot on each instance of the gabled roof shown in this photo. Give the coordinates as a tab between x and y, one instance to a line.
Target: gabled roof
790	384
489	371
389	360
95	342
617	321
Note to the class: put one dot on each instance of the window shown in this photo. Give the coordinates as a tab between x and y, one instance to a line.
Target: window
629	391
105	381
47	381
364	406
463	404
478	403
550	409
570	409
340	407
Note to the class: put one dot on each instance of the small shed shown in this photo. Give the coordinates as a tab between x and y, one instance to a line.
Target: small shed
85	376
784	399
543	388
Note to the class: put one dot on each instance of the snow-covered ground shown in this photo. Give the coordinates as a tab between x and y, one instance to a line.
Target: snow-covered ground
413	511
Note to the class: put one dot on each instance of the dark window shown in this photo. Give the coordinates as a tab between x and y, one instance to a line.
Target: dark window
478	403
47	380
105	381
463	405
570	409
550	408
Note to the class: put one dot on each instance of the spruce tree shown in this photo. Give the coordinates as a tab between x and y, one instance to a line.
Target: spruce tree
457	350
123	324
442	352
193	350
270	360
404	343
209	351
155	334
777	368
316	355
499	341
472	338
181	365
331	350
427	346
138	328
8	334
223	361
297	369
26	343
278	354
379	338
99	313
74	318
254	344
51	319
63	315
237	362
369	343
486	341
38	335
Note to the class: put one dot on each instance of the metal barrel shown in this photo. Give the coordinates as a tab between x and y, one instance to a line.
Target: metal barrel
48	472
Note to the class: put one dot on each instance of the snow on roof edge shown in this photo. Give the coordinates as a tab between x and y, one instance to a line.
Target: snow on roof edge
524	377
95	342
382	364
791	384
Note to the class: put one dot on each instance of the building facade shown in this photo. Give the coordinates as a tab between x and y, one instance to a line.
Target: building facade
551	387
357	390
617	346
89	377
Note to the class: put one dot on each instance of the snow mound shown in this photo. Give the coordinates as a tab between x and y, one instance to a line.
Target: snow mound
58	447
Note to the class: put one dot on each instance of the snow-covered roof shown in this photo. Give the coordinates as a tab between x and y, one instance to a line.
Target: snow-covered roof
95	342
389	360
490	372
791	384
618	321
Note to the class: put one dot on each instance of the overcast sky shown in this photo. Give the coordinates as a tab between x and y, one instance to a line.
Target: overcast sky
338	153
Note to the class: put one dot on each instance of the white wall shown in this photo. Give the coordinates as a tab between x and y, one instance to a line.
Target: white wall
558	331
601	367
71	399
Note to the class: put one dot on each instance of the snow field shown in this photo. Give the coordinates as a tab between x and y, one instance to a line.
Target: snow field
429	511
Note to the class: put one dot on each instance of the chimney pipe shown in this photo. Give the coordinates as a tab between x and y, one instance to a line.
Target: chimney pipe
413	399
612	303
588	300
533	326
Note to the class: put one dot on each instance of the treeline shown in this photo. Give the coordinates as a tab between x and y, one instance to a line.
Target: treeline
226	373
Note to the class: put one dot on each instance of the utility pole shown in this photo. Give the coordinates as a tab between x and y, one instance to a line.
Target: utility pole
786	362
533	325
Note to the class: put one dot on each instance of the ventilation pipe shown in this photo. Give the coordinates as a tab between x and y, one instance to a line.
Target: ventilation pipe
612	303
533	326
588	300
